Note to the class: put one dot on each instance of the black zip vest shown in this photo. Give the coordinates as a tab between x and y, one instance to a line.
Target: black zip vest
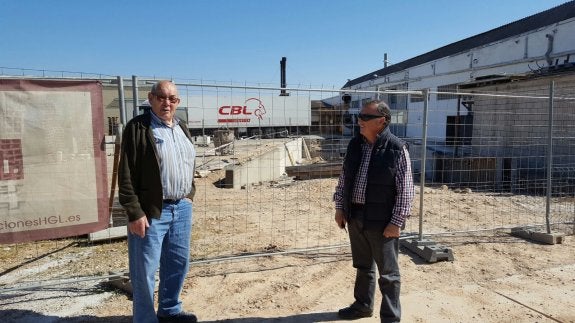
381	189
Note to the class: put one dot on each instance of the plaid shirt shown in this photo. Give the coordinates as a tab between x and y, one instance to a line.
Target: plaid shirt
403	182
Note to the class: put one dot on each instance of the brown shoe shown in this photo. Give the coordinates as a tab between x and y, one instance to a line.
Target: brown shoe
352	313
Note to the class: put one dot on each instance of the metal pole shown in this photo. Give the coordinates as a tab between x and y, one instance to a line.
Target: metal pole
549	155
456	126
121	102
117	147
423	160
135	97
120	129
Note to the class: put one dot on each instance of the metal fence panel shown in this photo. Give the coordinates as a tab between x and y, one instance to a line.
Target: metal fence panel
485	170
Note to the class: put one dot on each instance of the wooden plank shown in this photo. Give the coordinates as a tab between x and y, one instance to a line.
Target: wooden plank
323	170
289	155
307	155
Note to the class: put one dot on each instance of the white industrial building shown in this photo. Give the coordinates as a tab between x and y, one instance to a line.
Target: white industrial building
536	45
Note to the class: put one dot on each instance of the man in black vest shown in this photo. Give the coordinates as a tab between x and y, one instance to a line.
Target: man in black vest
373	198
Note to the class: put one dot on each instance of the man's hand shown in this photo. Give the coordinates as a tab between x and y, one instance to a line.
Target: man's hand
139	226
391	231
340	218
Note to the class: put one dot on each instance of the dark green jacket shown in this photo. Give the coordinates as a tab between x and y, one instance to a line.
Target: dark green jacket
139	182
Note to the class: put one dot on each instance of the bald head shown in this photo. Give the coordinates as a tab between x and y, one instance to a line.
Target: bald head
164	100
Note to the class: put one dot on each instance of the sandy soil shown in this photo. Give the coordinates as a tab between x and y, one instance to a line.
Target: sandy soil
503	280
495	277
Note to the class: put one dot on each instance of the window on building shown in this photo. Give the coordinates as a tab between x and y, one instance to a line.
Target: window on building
415	98
392	98
459	130
448	89
399	117
396	101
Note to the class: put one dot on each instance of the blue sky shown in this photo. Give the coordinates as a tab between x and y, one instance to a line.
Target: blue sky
241	41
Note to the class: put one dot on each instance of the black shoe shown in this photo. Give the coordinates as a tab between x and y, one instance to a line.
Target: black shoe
352	313
182	317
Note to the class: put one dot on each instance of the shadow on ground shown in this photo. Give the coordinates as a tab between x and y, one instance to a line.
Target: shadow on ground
298	318
26	316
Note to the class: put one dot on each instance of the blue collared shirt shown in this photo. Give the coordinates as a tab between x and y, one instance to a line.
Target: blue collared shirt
176	155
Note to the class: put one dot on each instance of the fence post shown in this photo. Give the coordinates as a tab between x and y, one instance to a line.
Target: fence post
426	248
135	97
423	159
121	102
549	155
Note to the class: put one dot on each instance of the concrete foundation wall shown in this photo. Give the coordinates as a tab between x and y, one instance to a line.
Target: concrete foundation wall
267	166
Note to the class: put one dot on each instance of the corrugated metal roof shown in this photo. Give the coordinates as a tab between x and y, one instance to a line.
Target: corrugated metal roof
542	19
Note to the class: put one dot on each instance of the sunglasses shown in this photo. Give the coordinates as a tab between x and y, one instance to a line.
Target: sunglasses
172	99
367	117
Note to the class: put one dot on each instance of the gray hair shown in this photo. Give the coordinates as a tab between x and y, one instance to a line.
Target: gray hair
155	87
381	107
158	84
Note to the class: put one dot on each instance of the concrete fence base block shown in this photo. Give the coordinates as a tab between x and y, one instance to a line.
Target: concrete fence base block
429	250
109	234
122	283
543	237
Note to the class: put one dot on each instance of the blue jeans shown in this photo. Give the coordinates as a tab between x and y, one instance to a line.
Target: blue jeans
166	245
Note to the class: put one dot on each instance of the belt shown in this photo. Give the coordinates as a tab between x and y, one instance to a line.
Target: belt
171	201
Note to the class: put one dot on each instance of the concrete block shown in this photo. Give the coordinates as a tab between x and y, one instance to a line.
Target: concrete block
429	250
543	237
263	166
110	233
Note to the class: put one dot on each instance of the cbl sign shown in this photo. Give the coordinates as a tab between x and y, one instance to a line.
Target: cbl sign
233	110
251	104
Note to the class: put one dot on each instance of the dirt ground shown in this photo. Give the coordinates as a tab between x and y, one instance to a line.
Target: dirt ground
497	281
494	277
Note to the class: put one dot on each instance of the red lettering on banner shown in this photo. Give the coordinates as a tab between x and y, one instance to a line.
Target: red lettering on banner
233	110
236	109
232	120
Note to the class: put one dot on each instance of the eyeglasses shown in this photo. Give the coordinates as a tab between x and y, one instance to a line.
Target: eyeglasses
172	99
367	117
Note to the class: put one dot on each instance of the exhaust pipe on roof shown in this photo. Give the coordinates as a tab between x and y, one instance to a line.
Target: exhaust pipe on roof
283	77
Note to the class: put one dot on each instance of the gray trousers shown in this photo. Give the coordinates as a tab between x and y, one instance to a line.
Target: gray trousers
370	249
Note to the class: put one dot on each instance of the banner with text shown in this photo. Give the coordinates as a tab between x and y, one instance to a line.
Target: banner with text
53	174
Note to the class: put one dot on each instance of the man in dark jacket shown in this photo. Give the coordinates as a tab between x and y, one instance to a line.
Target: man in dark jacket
156	187
373	197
